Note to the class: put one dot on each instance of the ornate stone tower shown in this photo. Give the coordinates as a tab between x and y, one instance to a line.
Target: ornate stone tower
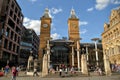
73	33
44	32
73	26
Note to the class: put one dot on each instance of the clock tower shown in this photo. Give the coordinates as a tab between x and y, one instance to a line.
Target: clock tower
45	29
73	34
73	26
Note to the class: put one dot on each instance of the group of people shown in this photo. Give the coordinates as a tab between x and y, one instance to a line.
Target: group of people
115	67
14	71
66	69
99	71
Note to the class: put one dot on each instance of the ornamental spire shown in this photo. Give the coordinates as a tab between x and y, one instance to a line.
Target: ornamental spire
72	15
46	13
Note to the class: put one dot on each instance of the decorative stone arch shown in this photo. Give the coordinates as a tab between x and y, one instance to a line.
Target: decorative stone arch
118	31
117	42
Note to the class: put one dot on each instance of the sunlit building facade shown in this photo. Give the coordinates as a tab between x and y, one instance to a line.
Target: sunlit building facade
111	37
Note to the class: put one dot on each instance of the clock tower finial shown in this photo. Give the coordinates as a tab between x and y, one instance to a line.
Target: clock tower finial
46	13
72	14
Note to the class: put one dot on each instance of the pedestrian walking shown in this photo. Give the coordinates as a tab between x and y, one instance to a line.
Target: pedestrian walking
14	73
100	71
60	71
6	70
35	72
66	70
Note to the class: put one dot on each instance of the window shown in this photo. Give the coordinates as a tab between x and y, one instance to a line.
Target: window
10	46
14	47
16	10
11	23
119	49
11	13
7	32
5	43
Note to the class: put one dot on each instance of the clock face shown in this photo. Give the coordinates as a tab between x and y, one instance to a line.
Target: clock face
74	25
45	25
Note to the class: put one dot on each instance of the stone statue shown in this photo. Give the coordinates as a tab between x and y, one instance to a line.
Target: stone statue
30	60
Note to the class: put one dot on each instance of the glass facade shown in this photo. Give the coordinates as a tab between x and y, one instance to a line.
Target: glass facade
59	55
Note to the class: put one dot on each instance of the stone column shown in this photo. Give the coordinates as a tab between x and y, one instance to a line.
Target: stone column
73	56
45	65
107	65
84	68
35	63
30	59
48	52
86	46
96	51
78	55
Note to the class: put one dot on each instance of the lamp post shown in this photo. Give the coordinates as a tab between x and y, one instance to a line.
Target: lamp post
96	51
86	46
73	62
78	52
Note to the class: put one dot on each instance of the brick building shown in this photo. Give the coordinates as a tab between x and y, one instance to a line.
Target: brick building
11	20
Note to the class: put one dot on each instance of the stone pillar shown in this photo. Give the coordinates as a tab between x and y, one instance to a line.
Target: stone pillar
45	65
96	51
107	65
78	55
73	56
84	68
35	63
48	52
30	59
86	46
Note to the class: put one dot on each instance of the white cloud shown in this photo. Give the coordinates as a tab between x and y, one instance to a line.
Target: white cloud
101	4
34	24
83	31
55	36
55	10
115	1
33	0
90	9
83	23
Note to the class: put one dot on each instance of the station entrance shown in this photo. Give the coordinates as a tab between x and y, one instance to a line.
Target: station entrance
60	53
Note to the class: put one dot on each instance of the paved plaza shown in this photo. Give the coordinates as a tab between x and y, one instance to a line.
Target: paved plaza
65	78
22	76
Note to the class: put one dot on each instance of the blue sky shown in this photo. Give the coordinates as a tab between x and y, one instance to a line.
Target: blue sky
91	13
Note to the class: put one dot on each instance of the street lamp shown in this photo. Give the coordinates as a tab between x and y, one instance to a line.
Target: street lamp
96	51
72	53
87	45
78	52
